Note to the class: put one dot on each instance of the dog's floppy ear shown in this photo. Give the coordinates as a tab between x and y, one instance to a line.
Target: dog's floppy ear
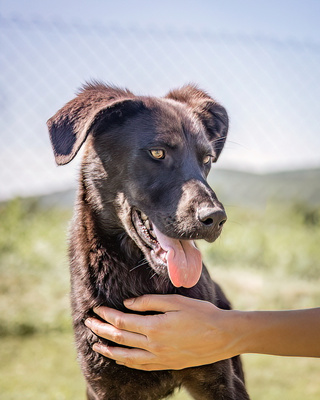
213	116
95	105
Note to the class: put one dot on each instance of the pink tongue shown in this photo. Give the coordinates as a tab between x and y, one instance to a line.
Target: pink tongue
183	260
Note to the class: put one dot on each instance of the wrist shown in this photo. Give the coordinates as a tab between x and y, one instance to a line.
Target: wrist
234	330
254	329
243	332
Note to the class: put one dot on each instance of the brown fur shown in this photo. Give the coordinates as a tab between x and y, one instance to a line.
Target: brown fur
109	260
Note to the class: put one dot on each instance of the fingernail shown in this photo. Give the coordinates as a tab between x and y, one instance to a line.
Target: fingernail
96	347
129	302
88	323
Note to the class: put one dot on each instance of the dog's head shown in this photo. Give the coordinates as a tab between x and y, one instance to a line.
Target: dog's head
145	166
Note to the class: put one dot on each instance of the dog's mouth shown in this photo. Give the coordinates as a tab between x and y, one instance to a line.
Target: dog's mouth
180	258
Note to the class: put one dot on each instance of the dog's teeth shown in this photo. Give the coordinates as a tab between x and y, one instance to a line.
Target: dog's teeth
147	223
143	216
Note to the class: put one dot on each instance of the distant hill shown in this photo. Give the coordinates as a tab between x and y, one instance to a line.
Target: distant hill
243	188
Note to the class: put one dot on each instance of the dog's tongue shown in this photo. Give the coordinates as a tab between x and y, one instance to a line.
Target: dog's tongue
183	260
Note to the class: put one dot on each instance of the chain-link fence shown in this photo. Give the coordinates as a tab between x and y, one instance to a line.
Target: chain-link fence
270	88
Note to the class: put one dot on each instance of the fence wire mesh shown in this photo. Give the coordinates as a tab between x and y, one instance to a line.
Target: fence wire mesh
269	86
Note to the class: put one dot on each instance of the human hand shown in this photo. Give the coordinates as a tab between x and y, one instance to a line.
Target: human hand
188	333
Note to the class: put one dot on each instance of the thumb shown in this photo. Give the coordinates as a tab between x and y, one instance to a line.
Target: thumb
156	302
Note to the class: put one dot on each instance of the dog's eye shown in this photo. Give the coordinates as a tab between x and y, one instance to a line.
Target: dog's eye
207	159
157	154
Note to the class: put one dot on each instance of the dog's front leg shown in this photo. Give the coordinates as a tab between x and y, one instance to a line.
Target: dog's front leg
214	382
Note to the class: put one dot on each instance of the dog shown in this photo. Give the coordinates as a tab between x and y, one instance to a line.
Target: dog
142	200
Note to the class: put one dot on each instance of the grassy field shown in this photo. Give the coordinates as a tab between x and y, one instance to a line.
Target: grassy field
265	259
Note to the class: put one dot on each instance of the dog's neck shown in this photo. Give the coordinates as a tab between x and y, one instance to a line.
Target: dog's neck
102	228
117	267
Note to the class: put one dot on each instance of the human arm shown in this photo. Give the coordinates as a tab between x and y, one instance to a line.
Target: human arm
282	333
191	332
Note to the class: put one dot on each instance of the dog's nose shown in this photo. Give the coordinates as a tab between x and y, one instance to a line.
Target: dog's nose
212	217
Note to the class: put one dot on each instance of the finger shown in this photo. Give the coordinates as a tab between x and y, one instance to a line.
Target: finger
116	335
131	358
124	356
156	302
129	322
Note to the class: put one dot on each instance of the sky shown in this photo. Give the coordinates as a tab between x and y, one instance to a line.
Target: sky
260	59
280	18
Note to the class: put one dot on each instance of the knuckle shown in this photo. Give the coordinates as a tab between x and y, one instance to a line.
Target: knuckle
156	326
119	322
151	330
117	337
128	360
161	349
156	348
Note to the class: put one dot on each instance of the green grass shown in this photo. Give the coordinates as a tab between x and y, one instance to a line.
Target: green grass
265	259
34	282
40	366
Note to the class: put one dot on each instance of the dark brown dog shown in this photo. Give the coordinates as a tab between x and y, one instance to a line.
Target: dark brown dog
143	198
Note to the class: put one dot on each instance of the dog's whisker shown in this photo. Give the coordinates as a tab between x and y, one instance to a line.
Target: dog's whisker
236	143
141	264
153	275
235	222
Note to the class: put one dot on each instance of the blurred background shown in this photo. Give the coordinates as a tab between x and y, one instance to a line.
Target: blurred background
261	61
